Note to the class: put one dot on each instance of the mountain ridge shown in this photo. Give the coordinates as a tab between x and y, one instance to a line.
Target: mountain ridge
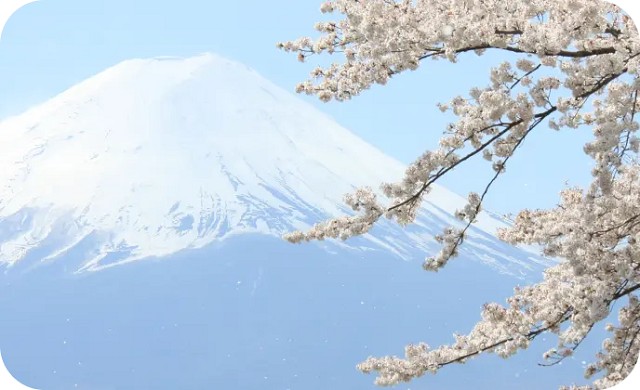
238	154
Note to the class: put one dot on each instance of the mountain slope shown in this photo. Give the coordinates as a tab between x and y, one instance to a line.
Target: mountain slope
154	156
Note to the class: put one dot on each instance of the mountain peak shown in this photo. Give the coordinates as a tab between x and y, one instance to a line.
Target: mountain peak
153	156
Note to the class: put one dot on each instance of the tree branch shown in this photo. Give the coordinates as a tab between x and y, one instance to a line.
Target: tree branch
562	53
566	315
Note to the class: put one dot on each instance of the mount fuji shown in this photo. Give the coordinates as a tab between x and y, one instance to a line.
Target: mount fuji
151	157
141	215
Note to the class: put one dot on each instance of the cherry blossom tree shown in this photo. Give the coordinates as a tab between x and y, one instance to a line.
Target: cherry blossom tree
591	49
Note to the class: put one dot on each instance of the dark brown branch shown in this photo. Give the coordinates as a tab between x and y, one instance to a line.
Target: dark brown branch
613	31
599	85
632	221
531	335
460	239
444	170
525	75
566	315
624	292
509	32
630	343
625	148
431	52
560	357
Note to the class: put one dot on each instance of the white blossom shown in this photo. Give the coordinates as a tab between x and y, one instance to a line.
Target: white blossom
575	64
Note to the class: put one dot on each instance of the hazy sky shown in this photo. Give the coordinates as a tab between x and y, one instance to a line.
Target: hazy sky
52	44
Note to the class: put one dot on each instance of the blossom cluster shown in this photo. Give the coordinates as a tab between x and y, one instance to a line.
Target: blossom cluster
575	65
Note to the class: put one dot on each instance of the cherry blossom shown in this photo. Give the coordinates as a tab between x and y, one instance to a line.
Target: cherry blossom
574	64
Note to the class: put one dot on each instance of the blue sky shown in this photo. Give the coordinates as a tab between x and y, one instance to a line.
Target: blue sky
50	45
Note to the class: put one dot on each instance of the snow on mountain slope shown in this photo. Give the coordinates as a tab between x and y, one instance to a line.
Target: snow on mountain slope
154	156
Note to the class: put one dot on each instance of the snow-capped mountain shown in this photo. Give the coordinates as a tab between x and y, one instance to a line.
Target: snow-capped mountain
203	164
154	156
